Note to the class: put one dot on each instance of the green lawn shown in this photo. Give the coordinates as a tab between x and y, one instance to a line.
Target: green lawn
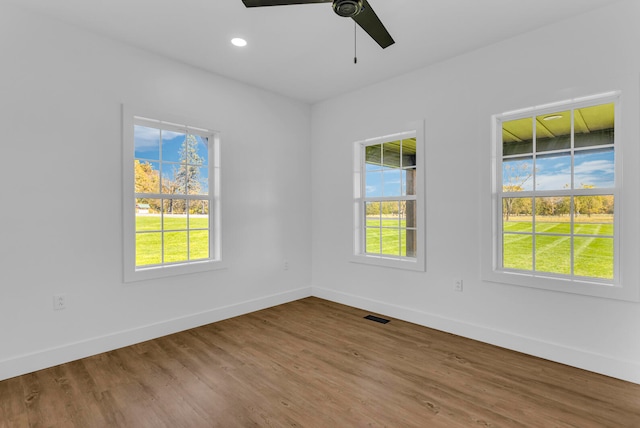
180	244
393	234
593	254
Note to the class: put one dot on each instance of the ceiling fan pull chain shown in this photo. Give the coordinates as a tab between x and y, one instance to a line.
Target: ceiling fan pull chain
355	43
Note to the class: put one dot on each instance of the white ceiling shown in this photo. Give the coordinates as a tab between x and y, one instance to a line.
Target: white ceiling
306	51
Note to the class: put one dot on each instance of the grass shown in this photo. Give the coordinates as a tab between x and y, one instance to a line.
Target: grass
592	246
387	236
592	252
178	243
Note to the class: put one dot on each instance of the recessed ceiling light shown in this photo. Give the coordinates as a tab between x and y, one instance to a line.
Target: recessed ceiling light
237	41
552	117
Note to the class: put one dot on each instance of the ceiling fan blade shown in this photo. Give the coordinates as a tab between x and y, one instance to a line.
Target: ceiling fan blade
369	21
259	3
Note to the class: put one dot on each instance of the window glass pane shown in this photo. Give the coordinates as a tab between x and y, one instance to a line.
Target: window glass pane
391	241
593	257
197	150
410	243
148	249
594	126
147	176
553	215
594	168
373	157
172	146
175	216
553	254
372	240
593	215
517	137
553	172
199	214
147	214
146	142
372	210
409	153
553	131
392	182
191	177
199	180
390	213
517	251
517	174
198	244
391	154
409	182
516	214
172	182
373	183
175	247
409	213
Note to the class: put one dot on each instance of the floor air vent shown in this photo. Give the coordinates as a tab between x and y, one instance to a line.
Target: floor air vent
376	319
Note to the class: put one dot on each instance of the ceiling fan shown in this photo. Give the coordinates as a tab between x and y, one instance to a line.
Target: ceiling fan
359	10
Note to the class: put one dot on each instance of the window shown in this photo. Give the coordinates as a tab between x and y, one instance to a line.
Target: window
388	181
171	190
557	187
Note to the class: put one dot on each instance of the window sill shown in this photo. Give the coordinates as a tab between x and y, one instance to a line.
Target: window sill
389	262
156	272
564	285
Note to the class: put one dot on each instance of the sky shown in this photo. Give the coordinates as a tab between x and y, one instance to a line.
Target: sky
385	182
553	172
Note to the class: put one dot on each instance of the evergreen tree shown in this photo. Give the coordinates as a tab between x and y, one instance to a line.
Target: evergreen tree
187	176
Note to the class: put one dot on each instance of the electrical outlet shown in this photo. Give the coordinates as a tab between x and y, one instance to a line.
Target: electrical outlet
457	284
59	302
285	265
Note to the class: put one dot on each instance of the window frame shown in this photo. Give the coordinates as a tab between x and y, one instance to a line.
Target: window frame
130	117
590	286
359	255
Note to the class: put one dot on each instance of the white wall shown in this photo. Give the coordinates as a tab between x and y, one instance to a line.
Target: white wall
61	91
588	54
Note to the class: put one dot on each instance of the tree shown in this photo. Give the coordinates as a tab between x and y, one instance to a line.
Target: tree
147	180
186	177
589	204
515	175
188	174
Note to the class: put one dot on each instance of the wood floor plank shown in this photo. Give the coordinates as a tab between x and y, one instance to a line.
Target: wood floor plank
315	363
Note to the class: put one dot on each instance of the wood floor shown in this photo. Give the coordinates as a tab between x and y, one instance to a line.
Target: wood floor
313	363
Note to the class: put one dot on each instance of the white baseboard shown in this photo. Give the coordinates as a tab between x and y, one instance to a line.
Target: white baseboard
45	358
602	364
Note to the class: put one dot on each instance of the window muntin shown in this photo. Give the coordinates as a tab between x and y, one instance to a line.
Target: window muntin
388	211
557	190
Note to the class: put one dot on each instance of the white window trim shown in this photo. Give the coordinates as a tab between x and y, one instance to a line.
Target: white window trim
491	266
414	129
131	272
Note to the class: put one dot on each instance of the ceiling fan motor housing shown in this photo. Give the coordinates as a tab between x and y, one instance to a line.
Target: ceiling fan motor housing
347	8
